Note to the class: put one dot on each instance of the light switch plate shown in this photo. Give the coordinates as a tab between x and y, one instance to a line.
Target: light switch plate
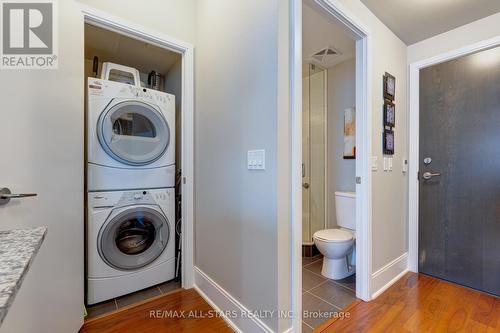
405	166
256	159
374	163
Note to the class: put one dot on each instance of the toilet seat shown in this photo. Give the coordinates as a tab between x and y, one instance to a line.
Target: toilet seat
333	235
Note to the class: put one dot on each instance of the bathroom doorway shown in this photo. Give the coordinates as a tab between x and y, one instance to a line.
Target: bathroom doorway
328	167
324	53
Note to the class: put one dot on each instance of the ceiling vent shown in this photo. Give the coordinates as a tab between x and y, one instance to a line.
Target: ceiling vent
326	56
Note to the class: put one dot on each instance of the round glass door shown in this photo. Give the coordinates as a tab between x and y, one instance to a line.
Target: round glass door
134	238
133	132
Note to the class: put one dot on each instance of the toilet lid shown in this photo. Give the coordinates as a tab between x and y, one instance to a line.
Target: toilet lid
333	235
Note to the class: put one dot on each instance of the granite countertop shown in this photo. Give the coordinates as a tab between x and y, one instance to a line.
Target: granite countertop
17	250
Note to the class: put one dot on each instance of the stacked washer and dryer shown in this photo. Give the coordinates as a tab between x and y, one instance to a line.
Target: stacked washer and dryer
130	185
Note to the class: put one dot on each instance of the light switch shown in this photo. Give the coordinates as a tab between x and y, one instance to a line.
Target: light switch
385	163
405	166
390	163
374	163
256	159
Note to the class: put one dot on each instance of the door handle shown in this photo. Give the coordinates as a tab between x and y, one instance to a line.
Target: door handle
428	175
6	195
305	185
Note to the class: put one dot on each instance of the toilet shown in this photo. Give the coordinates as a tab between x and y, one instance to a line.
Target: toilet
338	245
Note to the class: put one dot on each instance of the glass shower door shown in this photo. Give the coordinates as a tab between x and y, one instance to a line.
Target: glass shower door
313	151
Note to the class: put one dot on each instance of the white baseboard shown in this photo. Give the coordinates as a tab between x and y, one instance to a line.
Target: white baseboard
390	273
222	301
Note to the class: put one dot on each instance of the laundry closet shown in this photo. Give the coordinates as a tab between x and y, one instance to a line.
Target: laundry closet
133	171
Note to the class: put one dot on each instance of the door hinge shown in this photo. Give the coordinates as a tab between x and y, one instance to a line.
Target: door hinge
358	180
418	175
184	180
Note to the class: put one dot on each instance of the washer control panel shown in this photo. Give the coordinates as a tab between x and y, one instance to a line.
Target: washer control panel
125	198
135	197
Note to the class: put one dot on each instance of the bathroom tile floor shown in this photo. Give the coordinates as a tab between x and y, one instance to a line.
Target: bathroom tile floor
126	300
322	294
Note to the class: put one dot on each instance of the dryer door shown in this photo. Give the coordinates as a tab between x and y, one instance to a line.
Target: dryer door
133	237
133	132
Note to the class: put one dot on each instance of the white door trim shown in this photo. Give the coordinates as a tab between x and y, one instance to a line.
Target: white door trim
363	148
109	22
414	89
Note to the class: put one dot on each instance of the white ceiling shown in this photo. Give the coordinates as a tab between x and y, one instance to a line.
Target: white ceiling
123	50
416	20
320	31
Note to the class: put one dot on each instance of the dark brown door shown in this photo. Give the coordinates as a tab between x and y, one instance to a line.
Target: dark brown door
459	210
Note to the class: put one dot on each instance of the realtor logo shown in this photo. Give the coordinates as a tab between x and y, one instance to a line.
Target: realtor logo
28	35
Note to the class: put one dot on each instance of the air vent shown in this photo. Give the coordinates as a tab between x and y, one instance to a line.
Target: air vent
325	56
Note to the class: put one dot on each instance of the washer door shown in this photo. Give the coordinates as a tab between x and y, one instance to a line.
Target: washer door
133	133
133	238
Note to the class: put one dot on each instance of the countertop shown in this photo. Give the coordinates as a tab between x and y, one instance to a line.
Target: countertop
17	249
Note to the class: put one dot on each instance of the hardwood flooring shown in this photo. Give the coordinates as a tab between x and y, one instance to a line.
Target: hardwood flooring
193	314
415	303
419	303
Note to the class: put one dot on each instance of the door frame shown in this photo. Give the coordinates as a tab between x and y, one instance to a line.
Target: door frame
414	134
364	54
116	24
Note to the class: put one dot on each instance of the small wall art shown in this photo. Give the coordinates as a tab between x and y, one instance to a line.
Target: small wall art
350	133
388	142
389	114
389	87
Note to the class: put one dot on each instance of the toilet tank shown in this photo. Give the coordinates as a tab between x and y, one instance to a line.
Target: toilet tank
345	208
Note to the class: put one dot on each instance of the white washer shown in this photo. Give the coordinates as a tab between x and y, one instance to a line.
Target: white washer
130	241
131	137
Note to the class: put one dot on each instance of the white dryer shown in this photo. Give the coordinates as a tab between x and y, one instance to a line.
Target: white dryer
130	137
130	241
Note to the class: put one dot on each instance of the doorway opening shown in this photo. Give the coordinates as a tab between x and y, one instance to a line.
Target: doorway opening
139	171
331	154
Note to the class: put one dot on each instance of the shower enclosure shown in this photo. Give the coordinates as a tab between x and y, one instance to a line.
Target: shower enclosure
313	151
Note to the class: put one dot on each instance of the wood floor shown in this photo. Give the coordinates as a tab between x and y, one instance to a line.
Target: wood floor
193	314
415	303
419	303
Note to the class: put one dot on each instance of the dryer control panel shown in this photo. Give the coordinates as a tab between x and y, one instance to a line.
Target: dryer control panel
153	96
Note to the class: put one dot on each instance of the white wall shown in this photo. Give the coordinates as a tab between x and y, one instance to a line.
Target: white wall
175	18
389	189
42	151
49	118
468	34
341	86
236	111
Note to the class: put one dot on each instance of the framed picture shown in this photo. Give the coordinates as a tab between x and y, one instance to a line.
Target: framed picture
389	86
350	133
388	142
389	113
